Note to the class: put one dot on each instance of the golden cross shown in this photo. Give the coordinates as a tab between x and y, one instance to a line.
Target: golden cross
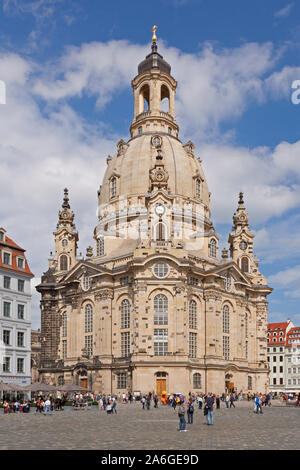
154	38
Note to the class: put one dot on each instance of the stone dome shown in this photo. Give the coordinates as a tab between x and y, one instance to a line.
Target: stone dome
132	168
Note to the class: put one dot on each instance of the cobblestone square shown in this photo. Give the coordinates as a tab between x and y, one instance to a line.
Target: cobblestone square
133	428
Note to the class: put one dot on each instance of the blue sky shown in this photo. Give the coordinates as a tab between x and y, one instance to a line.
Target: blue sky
68	66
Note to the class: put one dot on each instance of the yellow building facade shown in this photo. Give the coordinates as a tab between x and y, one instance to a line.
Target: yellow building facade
154	306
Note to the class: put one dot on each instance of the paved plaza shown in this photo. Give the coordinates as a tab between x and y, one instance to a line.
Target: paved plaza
133	428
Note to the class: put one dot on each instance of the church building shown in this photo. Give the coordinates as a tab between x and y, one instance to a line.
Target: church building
154	306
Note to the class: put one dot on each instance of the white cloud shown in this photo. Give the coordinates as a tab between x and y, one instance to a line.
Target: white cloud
214	85
284	12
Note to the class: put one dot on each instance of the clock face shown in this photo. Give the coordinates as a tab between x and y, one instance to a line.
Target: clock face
160	209
243	245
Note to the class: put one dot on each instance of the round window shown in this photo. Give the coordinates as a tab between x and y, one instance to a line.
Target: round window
161	270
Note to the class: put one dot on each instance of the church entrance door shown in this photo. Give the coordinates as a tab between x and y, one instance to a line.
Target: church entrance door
83	383
161	386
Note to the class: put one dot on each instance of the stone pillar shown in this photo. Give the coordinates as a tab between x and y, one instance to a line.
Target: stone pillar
104	297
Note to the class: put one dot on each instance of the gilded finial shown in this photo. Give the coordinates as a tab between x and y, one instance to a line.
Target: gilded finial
154	38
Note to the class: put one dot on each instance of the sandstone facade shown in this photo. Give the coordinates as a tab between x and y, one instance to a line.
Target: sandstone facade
154	306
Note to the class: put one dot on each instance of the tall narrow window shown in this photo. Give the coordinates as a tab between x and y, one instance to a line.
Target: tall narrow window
100	246
226	347
113	187
125	314
193	314
64	324
122	380
197	381
6	309
63	262
64	348
192	344
125	344
225	319
88	324
245	264
20	365
88	343
160	310
160	232
246	325
160	342
213	248
198	188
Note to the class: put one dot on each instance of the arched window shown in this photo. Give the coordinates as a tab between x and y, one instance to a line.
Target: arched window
64	324
165	99
100	246
125	314
88	321
160	310
144	98
113	187
160	232
245	264
193	314
198	188
63	263
197	381
225	319
213	248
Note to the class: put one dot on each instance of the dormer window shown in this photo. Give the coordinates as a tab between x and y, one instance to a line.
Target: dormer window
6	258
20	263
140	130
1	236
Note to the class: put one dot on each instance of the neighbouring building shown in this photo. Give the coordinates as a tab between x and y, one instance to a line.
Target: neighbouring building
15	312
155	306
292	360
276	339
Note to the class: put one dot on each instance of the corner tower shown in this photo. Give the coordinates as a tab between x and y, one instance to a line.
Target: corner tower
66	239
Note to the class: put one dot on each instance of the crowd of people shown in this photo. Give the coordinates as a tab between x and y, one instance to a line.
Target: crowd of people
108	403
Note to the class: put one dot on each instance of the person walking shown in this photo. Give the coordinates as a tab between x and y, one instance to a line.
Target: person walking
218	402
231	399
190	412
209	404
155	401
148	401
143	402
174	403
257	402
227	400
48	407
114	406
181	414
